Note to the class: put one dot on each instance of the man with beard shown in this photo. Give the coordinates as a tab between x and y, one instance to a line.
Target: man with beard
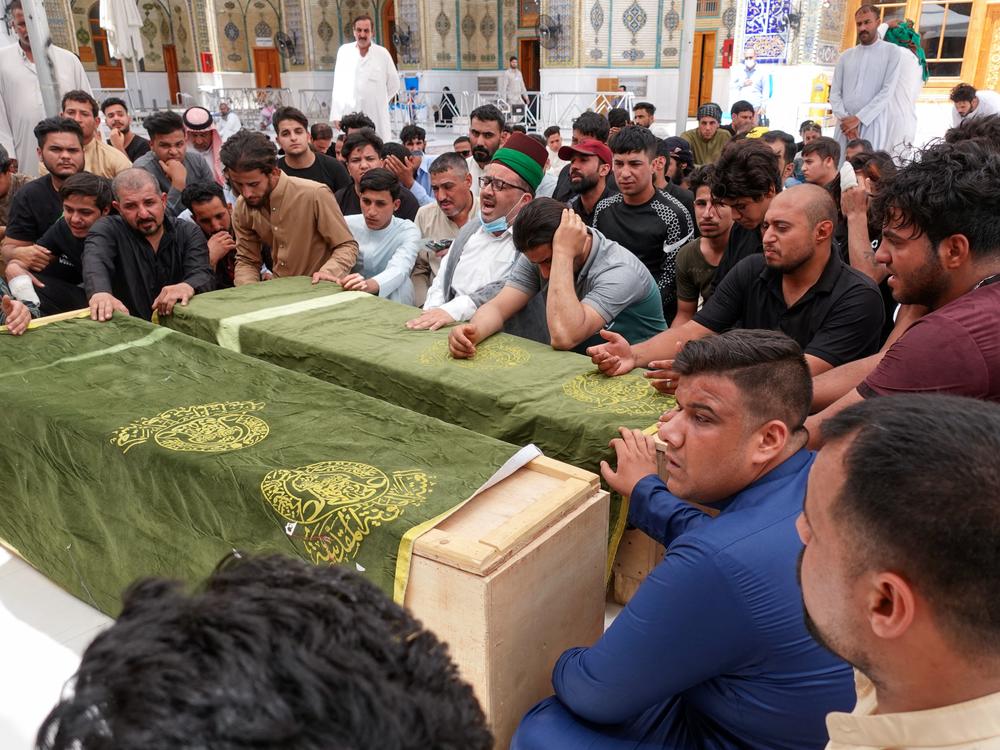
589	167
142	261
907	597
37	205
229	122
365	79
698	260
941	244
483	254
169	160
298	219
708	139
204	140
98	157
86	198
487	135
120	124
797	286
711	651
588	125
213	214
21	105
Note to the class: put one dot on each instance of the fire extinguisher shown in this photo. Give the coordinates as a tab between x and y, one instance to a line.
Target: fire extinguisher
727	53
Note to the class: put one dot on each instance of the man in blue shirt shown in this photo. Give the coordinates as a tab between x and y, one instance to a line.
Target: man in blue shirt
712	651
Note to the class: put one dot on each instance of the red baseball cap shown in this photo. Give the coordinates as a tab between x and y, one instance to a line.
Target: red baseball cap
588	146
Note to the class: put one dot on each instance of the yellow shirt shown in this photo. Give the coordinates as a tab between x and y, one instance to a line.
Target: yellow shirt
973	725
101	159
304	227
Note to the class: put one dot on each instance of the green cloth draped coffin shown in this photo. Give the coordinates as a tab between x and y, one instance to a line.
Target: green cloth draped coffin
132	450
514	389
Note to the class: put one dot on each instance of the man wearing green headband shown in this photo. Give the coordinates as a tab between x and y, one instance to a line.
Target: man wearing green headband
483	253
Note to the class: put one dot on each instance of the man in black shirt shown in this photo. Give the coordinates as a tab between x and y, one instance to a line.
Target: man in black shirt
746	179
798	286
588	125
673	163
85	199
37	205
300	160
120	123
143	261
209	210
649	222
589	167
362	150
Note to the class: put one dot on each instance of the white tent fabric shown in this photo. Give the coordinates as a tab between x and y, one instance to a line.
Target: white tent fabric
121	19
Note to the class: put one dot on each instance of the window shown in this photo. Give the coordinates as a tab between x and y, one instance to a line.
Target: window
943	28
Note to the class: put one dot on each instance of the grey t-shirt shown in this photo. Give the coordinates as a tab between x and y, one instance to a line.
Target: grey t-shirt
613	282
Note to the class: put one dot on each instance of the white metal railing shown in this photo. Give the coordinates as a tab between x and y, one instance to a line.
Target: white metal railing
251	105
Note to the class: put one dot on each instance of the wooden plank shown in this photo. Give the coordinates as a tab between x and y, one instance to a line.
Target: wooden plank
39	322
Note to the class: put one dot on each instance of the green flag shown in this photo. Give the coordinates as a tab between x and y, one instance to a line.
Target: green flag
514	389
133	450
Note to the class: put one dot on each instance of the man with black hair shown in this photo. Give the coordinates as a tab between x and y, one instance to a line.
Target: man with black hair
98	157
414	138
554	142
905	595
589	167
463	146
298	219
403	163
37	205
820	160
213	214
746	179
674	161
21	106
971	104
941	244
857	146
365	79
322	139
351	123
712	650
168	159
708	139
142	261
119	121
588	282
291	130
486	134
698	260
743	116
587	125
511	84
651	223
86	198
10	182
387	245
748	87
984	130
643	114
363	151
783	145
798	286
617	119
229	123
358	671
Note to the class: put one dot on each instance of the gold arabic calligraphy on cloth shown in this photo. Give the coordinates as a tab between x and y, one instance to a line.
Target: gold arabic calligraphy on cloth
337	503
490	355
202	428
626	395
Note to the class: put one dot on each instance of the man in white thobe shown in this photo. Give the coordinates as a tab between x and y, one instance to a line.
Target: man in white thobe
970	104
228	123
748	83
864	83
21	106
903	108
364	79
512	88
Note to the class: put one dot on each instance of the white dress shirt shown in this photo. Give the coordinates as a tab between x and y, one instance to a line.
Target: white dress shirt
485	259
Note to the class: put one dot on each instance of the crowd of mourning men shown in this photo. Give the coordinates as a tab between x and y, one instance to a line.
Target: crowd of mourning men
780	289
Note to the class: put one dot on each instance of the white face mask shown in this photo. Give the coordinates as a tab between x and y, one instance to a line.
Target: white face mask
750	63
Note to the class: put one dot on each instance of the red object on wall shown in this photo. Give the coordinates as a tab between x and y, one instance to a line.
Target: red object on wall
207	63
727	53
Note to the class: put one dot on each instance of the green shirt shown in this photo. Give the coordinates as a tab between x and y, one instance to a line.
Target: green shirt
706	152
694	273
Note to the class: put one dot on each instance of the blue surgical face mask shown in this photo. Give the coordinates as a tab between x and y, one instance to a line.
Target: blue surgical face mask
498	226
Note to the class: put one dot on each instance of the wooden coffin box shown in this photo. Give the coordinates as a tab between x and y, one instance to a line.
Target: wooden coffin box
511	580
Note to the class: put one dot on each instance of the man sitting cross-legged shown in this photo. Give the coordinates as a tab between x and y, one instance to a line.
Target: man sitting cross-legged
589	283
712	652
143	260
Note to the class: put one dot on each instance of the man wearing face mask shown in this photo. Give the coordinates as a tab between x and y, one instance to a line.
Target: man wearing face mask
748	83
481	258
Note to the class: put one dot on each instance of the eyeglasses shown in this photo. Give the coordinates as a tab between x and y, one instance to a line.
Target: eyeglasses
497	184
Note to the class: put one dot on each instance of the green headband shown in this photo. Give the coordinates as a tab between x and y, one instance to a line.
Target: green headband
526	167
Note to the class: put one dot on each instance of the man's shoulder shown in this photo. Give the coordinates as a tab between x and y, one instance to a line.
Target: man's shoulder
852	279
108	226
609	202
147	161
688	252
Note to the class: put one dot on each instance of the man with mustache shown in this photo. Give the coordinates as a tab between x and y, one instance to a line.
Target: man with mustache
901	590
143	260
486	133
864	83
589	167
712	651
119	121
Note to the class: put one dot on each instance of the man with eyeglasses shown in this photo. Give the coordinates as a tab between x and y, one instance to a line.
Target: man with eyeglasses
483	253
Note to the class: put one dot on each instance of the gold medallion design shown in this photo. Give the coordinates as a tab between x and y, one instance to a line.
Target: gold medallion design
335	504
205	428
625	395
490	355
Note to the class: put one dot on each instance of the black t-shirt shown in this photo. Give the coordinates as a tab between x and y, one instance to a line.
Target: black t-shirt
577	205
138	147
63	277
563	192
654	231
838	320
350	203
742	244
841	244
324	170
687	198
34	208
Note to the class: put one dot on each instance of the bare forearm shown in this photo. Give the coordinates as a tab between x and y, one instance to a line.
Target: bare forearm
815	422
664	345
859	247
564	313
487	320
834	384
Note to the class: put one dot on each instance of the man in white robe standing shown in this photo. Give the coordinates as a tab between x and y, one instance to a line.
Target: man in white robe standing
912	74
364	79
864	83
21	106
